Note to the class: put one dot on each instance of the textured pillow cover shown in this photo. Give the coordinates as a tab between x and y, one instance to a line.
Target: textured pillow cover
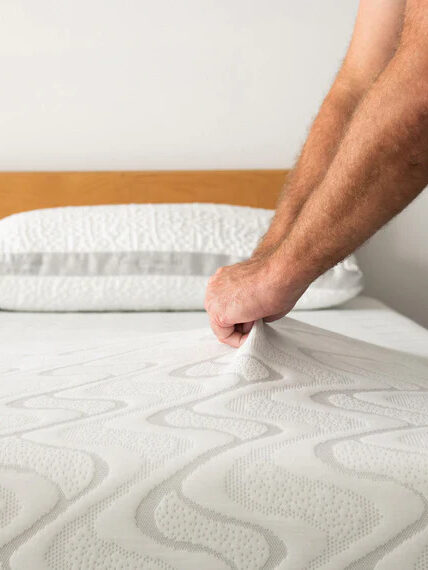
137	257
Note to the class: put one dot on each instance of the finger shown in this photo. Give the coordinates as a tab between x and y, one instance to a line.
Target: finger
221	332
227	335
243	339
246	327
234	340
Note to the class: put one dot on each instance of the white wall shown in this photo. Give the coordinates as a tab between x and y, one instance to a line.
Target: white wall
395	262
163	83
140	84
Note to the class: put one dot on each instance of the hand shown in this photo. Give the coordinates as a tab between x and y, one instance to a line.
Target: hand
240	294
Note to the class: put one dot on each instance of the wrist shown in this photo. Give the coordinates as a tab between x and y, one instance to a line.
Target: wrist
279	283
288	270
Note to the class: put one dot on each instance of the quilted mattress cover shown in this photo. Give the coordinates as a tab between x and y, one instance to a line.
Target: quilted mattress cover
304	449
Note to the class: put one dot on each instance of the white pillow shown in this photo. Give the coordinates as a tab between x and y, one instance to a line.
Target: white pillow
137	257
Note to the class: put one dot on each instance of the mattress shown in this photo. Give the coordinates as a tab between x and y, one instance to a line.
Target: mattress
135	440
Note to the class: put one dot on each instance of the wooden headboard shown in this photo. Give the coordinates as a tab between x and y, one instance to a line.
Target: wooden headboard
20	191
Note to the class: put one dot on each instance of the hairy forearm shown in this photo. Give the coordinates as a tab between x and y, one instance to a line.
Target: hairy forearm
362	162
374	42
380	166
315	158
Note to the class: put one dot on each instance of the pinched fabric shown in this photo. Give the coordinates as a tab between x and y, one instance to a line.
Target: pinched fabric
303	449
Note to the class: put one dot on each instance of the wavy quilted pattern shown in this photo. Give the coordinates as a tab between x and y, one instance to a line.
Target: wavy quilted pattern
242	547
71	470
304	450
84	549
422	561
340	514
9	506
238	428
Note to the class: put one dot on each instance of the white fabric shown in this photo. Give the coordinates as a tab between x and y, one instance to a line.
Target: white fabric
137	257
362	318
125	449
370	320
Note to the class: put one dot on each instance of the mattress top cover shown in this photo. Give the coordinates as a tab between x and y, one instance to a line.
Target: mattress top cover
126	446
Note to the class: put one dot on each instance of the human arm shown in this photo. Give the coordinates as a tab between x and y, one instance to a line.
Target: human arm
373	43
379	167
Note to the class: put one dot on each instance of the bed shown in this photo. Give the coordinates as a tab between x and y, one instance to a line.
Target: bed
135	440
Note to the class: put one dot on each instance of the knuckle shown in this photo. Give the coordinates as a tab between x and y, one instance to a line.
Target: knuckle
220	320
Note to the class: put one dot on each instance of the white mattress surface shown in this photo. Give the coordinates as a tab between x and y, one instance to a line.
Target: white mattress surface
135	440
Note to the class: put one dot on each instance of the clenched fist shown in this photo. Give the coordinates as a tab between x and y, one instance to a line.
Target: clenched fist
240	294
